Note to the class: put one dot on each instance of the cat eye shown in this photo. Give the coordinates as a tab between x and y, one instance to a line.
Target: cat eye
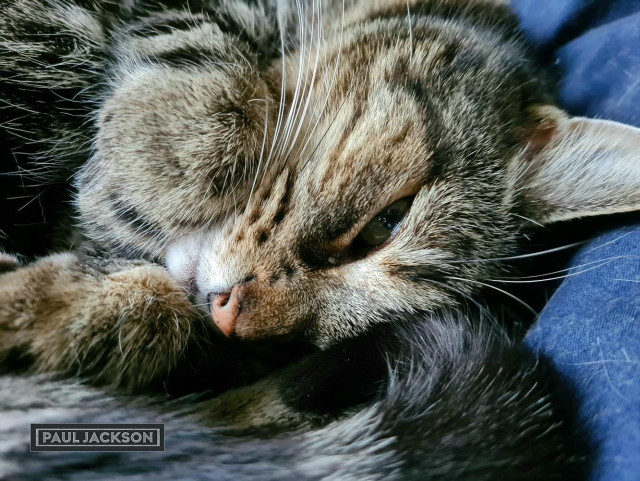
384	225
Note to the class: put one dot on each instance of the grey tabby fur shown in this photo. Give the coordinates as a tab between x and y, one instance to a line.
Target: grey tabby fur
183	153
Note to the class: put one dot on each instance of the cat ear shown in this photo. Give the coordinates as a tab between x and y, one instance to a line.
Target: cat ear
578	167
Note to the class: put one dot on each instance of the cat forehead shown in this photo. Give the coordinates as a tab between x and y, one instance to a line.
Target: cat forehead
361	149
374	145
361	153
368	142
368	153
392	103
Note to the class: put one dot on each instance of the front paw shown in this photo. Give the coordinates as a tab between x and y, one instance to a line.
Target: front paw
30	298
151	322
127	329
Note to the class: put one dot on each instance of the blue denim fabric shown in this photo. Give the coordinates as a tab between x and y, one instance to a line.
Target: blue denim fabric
590	328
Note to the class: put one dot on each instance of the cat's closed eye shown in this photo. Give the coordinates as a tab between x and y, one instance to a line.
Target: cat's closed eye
383	227
380	230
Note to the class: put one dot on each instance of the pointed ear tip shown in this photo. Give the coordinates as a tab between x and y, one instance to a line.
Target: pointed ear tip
551	124
549	117
579	167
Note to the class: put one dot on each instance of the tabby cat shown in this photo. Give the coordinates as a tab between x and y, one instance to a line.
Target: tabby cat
301	201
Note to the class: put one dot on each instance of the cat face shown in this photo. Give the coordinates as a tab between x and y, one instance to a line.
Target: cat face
399	160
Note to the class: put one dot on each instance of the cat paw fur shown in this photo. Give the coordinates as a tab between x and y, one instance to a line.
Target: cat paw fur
126	329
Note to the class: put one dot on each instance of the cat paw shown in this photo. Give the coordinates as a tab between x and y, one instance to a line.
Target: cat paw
128	331
153	321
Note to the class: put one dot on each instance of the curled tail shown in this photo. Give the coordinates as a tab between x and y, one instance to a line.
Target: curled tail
459	403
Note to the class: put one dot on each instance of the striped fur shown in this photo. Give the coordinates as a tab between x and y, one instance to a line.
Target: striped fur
434	418
180	149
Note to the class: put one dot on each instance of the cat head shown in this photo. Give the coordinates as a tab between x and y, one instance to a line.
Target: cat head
376	171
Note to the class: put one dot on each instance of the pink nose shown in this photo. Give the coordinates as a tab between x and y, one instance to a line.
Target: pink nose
225	307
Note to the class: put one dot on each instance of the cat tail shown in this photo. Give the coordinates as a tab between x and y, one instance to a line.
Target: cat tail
461	402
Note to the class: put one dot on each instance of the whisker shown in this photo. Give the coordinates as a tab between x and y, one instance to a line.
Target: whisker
464	295
296	95
521	256
600	262
303	115
329	90
410	33
533	281
262	149
621	236
342	104
281	19
204	304
502	291
530	220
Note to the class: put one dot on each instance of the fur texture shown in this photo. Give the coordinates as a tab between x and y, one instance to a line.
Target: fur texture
458	404
220	162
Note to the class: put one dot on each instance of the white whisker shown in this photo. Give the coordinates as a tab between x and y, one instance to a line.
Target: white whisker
541	277
262	149
521	256
502	291
331	86
296	95
302	116
410	33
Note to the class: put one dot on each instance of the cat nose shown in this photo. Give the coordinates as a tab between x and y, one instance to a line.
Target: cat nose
225	307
